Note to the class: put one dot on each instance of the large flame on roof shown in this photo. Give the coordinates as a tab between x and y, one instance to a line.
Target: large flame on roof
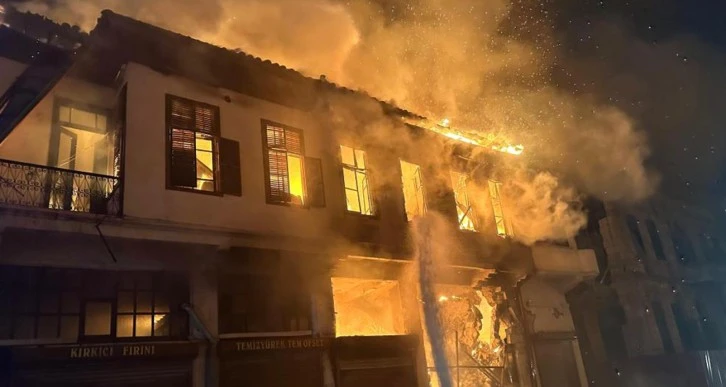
444	128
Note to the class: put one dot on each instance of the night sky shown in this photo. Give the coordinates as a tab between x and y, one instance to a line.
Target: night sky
663	62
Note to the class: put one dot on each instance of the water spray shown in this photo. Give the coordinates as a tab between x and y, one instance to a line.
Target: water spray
425	262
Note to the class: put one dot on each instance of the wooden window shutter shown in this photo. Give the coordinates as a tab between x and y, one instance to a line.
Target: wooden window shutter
229	160
278	184
315	186
183	161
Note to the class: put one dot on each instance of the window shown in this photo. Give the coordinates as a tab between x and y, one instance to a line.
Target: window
495	193
38	303
49	303
263	302
81	140
284	159
635	234
355	177
464	211
413	190
193	130
655	239
682	244
143	309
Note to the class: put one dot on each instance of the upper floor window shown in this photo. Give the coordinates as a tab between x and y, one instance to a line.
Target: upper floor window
413	190
193	130
495	193
635	234
355	177
655	239
682	244
285	166
81	139
464	210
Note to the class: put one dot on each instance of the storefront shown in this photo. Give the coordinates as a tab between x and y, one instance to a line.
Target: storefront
272	361
376	361
132	364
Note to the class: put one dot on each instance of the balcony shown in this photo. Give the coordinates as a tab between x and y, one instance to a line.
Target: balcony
564	265
29	185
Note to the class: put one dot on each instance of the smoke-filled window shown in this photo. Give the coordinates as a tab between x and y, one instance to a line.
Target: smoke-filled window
413	190
193	140
285	166
355	177
495	193
464	209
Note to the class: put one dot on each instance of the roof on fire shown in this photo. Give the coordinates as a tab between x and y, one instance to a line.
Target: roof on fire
121	39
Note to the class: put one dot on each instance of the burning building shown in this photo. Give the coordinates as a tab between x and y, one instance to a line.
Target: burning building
182	214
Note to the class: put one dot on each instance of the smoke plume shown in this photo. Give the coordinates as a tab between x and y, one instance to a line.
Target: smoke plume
485	65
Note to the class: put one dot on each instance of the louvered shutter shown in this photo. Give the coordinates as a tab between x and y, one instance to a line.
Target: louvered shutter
183	162
278	181
230	167
315	186
182	114
205	119
293	142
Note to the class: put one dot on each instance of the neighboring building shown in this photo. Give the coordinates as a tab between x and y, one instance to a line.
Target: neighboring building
654	315
175	213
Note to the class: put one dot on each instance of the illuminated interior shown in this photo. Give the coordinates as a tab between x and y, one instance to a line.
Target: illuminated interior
413	190
463	205
366	307
495	188
467	321
205	162
295	174
355	176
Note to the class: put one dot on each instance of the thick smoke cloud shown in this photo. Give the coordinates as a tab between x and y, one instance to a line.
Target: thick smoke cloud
486	65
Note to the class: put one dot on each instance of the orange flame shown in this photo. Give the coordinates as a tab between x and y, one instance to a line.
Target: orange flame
444	128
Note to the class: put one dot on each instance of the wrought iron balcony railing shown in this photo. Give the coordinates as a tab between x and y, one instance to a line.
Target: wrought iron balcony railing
38	186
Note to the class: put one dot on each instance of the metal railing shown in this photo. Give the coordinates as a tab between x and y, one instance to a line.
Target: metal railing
30	185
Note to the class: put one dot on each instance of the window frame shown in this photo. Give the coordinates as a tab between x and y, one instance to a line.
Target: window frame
355	169
57	126
228	315
172	286
216	138
472	213
424	194
495	199
266	164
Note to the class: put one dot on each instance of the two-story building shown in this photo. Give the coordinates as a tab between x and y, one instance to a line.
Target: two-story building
176	213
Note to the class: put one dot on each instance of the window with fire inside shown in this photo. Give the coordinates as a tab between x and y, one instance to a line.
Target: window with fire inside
75	305
199	159
291	178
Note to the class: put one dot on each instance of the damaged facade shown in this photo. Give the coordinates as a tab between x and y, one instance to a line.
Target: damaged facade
177	213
